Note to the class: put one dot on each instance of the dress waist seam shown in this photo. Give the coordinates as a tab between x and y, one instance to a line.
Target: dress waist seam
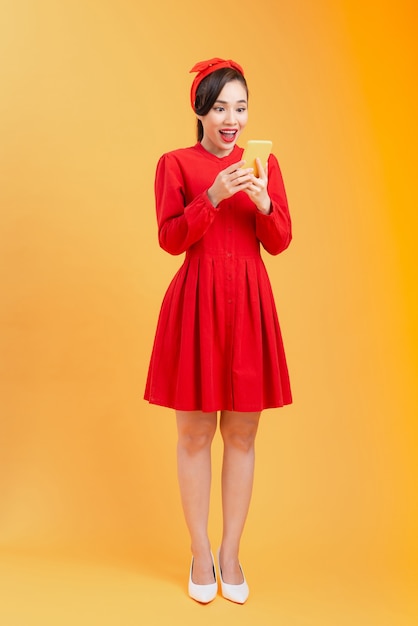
222	255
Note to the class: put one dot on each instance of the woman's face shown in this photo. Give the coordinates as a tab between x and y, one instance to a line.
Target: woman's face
226	120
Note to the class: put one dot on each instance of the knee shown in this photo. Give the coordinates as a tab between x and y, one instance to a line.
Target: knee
241	440
194	441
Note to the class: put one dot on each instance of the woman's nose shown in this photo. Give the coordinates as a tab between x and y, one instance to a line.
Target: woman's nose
230	116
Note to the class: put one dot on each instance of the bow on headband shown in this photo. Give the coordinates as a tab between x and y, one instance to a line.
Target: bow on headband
204	68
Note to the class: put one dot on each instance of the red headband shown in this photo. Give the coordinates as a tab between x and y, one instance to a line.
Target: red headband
207	67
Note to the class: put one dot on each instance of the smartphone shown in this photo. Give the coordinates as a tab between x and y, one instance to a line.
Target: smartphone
256	148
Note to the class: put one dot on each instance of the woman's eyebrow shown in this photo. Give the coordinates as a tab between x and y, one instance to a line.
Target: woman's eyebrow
237	102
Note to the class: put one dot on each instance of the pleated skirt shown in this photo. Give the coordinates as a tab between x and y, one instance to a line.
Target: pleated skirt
218	344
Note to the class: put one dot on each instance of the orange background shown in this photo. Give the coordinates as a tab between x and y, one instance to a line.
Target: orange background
92	93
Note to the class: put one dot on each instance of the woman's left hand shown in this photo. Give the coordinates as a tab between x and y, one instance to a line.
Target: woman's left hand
257	189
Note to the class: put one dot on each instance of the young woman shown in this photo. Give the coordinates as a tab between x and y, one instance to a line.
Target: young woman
218	345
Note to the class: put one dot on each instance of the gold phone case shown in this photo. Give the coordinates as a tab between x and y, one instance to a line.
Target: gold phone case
257	148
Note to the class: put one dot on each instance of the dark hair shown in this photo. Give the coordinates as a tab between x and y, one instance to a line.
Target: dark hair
210	88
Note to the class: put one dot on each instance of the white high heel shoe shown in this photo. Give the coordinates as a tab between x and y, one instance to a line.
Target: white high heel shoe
203	593
235	593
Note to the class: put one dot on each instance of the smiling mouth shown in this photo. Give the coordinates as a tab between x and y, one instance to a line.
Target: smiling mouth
228	135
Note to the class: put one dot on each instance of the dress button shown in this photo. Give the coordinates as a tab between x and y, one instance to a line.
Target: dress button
228	254
229	301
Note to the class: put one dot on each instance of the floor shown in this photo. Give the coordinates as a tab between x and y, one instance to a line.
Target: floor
46	591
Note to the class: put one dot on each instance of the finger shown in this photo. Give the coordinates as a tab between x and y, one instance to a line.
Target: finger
258	186
234	167
258	182
242	175
261	170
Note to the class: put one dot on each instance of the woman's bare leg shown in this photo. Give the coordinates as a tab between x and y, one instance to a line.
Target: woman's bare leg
195	434
238	432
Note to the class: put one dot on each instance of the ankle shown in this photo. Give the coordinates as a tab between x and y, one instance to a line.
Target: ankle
201	549
229	553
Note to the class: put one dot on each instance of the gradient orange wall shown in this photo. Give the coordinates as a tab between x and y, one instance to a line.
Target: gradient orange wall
92	93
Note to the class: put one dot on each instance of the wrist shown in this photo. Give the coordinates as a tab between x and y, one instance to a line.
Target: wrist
265	207
213	199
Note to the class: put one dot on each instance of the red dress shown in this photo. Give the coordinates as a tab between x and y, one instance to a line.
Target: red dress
218	343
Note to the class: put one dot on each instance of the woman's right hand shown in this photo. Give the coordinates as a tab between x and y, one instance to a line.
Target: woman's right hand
229	181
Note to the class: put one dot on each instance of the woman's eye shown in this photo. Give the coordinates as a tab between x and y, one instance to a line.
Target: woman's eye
241	110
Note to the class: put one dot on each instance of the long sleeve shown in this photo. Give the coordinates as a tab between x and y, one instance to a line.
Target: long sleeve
180	225
274	230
